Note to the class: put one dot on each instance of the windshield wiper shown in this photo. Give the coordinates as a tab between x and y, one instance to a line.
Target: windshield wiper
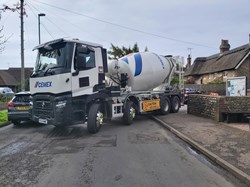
35	73
52	72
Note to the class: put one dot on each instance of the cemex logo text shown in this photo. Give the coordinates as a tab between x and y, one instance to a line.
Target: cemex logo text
43	84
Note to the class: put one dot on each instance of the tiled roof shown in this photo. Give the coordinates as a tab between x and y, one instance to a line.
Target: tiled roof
218	62
12	76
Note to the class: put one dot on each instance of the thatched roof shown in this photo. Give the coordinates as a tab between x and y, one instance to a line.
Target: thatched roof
219	62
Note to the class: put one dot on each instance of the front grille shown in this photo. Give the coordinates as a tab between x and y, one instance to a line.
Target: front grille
43	113
43	106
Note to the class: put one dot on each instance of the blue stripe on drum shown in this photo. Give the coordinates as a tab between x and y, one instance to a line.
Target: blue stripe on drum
138	64
125	59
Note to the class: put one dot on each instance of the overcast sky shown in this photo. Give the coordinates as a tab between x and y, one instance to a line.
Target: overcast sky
164	26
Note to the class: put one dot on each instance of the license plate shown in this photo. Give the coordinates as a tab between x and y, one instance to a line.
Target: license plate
43	121
23	108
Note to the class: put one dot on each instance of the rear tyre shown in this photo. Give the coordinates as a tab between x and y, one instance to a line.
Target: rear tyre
175	104
129	113
95	118
16	123
165	105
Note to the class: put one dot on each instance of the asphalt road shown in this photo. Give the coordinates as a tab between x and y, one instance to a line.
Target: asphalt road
143	154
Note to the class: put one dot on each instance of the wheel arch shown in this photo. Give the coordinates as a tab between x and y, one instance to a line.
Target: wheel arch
133	99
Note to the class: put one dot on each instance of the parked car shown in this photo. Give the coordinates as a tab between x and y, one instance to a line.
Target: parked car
188	91
6	91
19	108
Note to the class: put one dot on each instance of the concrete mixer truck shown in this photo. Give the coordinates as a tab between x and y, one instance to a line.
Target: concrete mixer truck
73	83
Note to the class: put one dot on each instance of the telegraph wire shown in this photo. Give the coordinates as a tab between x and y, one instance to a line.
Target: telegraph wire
46	17
47	31
76	26
124	27
27	35
40	23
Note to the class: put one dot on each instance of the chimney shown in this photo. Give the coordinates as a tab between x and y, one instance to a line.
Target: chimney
188	61
224	46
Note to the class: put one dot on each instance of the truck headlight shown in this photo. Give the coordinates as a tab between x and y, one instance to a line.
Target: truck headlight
61	104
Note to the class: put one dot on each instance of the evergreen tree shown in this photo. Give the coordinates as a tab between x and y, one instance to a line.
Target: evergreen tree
116	52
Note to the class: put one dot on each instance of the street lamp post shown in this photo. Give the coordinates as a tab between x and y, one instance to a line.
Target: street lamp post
39	35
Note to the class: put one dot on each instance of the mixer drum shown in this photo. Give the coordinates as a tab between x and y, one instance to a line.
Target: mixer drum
145	70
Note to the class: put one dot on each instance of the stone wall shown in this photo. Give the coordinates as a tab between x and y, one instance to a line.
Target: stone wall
203	105
213	106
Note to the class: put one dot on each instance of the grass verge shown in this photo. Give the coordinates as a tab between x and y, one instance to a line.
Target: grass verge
3	117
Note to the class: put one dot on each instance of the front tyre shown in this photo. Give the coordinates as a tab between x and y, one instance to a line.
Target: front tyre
129	113
95	118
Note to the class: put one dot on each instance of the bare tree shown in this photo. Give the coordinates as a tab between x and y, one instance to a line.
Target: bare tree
3	40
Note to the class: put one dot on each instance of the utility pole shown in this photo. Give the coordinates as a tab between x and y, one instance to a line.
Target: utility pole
22	49
22	13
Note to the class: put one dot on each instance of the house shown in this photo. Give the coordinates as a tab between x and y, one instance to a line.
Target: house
218	67
12	77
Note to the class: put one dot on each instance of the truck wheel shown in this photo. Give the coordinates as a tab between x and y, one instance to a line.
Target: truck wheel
129	113
165	105
95	118
175	104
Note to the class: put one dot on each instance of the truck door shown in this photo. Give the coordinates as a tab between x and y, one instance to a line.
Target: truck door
85	71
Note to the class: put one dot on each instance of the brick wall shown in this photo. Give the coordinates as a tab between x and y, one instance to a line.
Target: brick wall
213	106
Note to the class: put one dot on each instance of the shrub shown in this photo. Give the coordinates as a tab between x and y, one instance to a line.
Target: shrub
4	98
216	81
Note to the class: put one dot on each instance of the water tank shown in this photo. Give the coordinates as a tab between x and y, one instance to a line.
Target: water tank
145	70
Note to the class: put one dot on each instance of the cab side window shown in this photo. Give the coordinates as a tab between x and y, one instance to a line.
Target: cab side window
90	60
85	60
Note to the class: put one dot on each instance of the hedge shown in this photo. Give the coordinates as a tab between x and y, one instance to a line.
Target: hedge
3	117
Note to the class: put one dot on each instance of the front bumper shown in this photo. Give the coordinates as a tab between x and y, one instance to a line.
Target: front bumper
52	110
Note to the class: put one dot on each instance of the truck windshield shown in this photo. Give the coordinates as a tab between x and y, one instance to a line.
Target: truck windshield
55	58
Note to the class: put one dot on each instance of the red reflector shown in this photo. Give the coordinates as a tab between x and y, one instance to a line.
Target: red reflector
10	104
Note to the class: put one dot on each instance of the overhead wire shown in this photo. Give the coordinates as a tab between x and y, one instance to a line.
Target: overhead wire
46	17
28	41
78	27
4	21
41	23
125	27
47	31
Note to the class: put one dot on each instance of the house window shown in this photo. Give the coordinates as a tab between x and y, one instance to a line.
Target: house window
211	76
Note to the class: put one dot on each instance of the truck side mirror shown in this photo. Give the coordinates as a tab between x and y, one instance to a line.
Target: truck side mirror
80	59
80	62
81	51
